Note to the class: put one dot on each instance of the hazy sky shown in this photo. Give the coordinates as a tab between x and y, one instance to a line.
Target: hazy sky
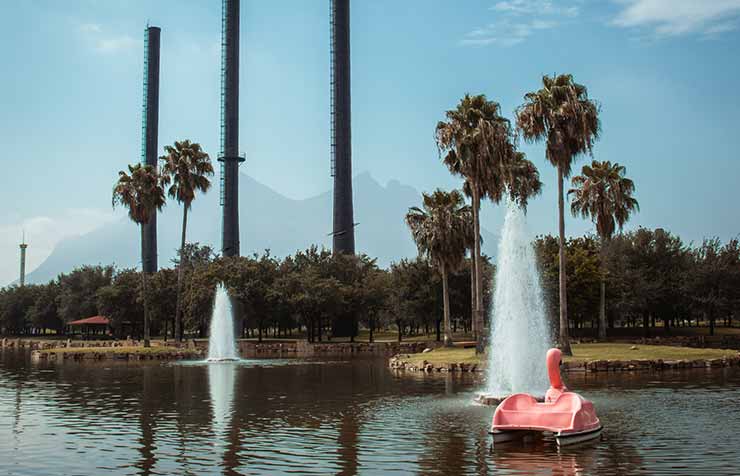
664	71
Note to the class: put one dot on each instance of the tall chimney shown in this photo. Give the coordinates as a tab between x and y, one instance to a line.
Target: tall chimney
341	129
23	260
149	136
229	156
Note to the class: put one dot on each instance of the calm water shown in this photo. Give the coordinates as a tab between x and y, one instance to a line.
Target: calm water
276	417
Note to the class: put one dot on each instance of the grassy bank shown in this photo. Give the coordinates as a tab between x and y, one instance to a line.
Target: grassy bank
582	353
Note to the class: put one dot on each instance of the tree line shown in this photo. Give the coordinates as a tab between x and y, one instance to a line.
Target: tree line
308	294
650	278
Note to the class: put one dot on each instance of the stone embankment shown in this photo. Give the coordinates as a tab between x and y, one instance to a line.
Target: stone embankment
648	365
46	349
400	363
122	353
46	344
250	349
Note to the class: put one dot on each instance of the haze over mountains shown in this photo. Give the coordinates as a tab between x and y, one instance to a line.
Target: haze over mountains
268	220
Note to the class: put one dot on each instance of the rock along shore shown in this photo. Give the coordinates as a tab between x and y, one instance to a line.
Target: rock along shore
400	363
58	350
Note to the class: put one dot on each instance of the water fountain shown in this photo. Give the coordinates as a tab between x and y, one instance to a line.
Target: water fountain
519	332
221	342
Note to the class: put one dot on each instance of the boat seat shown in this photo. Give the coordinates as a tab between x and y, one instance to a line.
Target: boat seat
523	411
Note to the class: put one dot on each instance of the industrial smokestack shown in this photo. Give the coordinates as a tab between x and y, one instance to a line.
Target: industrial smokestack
229	156
149	136
341	149
23	260
341	131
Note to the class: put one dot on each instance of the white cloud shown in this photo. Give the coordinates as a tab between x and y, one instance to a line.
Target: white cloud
103	42
43	233
505	33
679	17
90	28
517	20
535	7
110	45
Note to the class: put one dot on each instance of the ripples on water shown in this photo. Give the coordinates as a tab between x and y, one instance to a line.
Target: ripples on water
277	417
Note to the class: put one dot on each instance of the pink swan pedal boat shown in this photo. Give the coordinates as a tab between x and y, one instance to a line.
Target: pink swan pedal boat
570	417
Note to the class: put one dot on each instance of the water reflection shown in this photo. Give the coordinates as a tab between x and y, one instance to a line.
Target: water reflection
146	424
221	380
339	418
221	383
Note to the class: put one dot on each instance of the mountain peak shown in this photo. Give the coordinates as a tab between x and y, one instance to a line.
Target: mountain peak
268	220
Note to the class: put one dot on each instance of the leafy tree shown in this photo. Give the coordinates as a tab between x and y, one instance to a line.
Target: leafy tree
43	314
161	287
584	275
442	232
604	194
77	292
14	304
414	295
317	293
649	270
197	302
142	193
121	303
189	169
200	291
249	280
370	296
715	279
193	255
562	114
351	271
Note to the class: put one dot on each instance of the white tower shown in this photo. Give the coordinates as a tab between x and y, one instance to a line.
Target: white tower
23	260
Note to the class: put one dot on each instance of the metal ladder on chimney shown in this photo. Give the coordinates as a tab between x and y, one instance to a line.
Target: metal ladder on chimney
333	145
222	139
145	101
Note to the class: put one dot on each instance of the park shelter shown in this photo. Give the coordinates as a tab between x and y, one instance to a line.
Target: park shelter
95	325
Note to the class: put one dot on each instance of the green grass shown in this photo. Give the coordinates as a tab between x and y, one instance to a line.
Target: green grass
581	353
154	350
610	351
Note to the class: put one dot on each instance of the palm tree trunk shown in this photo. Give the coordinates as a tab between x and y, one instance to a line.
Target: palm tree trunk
564	339
143	293
602	304
446	301
472	293
478	313
180	275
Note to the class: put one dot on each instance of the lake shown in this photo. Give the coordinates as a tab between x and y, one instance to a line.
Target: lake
341	417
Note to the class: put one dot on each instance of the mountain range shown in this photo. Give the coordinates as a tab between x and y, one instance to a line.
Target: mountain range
268	220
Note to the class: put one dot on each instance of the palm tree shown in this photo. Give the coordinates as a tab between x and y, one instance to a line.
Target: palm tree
142	193
443	232
562	114
477	144
522	180
604	194
188	168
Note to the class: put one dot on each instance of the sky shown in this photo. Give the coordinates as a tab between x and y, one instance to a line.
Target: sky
663	71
